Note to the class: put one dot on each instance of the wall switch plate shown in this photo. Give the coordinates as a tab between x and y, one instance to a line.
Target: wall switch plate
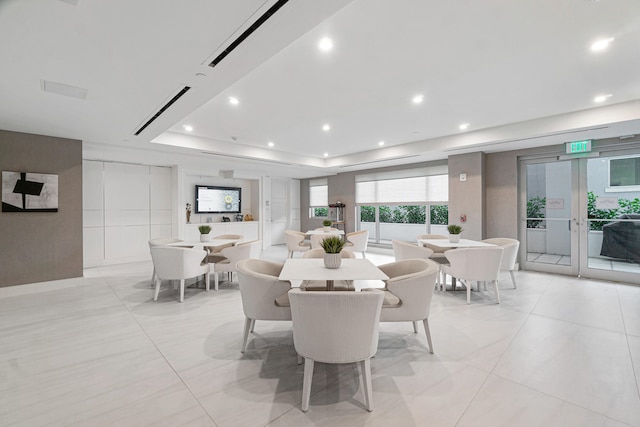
463	177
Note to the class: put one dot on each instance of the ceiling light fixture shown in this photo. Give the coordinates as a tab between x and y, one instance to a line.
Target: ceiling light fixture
602	98
381	143
601	44
418	99
233	100
325	44
326	127
464	126
188	128
326	154
270	144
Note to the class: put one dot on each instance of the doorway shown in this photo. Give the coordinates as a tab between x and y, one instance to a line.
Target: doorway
581	216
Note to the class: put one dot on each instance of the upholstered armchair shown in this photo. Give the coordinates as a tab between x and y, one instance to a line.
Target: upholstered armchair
357	241
474	265
179	264
295	242
509	256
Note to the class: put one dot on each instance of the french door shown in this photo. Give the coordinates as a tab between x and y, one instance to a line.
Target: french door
581	216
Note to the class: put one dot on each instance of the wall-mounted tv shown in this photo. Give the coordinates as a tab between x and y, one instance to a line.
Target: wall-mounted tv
216	200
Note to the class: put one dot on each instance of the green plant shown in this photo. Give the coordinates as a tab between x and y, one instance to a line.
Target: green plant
454	229
332	244
625	206
439	214
327	223
535	209
204	229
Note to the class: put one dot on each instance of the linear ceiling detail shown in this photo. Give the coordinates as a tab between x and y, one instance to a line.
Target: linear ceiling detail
273	9
163	109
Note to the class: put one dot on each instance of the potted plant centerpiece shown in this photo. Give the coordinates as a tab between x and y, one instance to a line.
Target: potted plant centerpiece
332	246
204	233
327	225
454	232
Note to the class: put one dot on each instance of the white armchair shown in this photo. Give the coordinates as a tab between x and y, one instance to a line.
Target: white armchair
178	264
215	252
509	256
230	257
357	241
404	250
335	327
295	242
408	293
474	264
159	242
316	239
438	253
264	296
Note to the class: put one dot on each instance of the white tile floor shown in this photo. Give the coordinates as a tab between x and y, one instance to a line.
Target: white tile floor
96	351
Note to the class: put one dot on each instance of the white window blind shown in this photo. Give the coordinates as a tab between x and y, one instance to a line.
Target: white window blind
318	193
420	189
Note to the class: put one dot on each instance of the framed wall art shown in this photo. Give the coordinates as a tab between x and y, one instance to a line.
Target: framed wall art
29	192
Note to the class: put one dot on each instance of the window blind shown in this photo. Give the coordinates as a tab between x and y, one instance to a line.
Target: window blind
421	189
318	193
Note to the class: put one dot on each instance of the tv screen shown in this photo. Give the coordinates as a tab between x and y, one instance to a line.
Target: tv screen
211	199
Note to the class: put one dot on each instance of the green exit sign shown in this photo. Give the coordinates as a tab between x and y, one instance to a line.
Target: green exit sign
578	146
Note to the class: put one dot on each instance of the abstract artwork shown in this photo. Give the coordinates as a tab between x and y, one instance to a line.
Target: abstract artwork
29	192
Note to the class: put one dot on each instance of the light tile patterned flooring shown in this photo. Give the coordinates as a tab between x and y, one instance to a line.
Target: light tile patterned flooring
610	264
98	351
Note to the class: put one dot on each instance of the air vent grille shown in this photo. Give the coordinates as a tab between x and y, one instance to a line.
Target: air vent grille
273	9
163	109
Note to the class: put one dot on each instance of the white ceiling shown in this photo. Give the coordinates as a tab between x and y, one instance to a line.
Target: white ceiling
520	72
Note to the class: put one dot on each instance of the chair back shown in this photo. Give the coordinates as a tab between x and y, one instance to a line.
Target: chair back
162	241
255	246
335	327
316	239
475	264
432	236
359	239
177	263
413	282
259	288
237	253
293	239
229	236
406	250
319	253
510	254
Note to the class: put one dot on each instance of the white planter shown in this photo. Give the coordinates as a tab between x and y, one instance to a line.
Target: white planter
205	237
454	238
332	260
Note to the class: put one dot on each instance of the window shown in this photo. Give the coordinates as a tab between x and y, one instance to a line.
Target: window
624	172
318	198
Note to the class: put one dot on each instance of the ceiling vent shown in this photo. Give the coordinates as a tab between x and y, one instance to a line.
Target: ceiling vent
163	109
234	44
234	156
63	89
380	161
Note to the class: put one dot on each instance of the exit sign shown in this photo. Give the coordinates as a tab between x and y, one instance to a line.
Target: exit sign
578	146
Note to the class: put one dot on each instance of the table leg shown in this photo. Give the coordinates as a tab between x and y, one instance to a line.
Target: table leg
329	285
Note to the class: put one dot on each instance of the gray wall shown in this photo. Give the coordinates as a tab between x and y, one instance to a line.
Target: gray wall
41	246
501	191
467	197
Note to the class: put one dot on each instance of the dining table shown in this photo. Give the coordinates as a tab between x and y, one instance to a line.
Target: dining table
312	232
314	269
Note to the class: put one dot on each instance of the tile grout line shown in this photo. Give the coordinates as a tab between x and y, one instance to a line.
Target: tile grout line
158	349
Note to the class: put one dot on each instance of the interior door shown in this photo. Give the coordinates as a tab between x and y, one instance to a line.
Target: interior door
279	210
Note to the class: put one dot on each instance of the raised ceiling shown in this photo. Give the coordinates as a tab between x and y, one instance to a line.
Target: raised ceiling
521	73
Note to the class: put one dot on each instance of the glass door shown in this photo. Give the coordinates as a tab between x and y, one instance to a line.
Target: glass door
550	230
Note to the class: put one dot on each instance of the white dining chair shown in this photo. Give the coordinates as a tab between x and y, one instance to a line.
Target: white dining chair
264	296
509	256
231	256
405	250
215	251
357	241
336	327
159	242
295	242
474	265
179	264
408	293
316	239
438	253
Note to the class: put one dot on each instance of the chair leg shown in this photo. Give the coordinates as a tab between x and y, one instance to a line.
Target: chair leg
206	281
253	325
181	290
513	279
153	276
306	383
247	327
365	366
495	284
415	327
215	281
299	360
155	296
427	332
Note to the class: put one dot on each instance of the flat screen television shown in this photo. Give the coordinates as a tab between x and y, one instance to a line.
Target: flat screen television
218	200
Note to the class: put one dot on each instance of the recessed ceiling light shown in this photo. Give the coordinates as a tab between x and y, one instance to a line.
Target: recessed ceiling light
233	100
325	44
326	154
464	126
417	99
601	44
188	128
602	98
326	127
270	144
381	143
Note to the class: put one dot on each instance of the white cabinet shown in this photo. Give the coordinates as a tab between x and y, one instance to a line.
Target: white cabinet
248	229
